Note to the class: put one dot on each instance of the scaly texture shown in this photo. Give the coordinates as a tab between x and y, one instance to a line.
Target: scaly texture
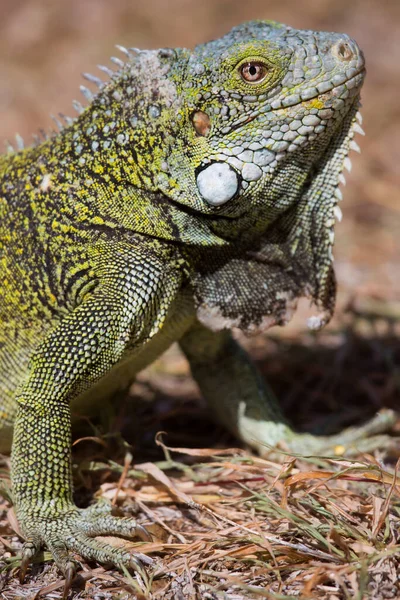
196	192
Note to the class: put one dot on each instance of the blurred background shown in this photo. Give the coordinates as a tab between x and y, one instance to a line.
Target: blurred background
46	44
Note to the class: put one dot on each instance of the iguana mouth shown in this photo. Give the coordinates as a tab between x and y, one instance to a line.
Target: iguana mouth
350	83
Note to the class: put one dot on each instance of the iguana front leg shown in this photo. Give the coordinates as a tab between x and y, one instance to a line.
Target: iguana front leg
243	402
127	308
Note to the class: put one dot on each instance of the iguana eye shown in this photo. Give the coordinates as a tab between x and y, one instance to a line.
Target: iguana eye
253	72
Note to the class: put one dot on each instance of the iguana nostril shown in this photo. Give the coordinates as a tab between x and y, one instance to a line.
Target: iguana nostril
343	51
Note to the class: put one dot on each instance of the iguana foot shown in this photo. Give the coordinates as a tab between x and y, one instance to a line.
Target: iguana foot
73	531
350	441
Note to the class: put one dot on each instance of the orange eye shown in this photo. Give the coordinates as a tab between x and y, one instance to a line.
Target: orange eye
253	72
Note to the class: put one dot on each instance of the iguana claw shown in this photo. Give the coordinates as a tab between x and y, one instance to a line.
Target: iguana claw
143	534
70	573
28	552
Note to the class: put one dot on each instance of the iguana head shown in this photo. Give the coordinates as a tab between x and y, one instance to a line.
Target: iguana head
260	95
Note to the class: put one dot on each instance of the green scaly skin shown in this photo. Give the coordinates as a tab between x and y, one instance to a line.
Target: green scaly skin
183	201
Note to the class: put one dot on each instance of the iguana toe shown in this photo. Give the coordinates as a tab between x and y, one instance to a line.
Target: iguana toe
350	441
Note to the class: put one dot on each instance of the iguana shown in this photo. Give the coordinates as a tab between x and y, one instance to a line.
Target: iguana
195	193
